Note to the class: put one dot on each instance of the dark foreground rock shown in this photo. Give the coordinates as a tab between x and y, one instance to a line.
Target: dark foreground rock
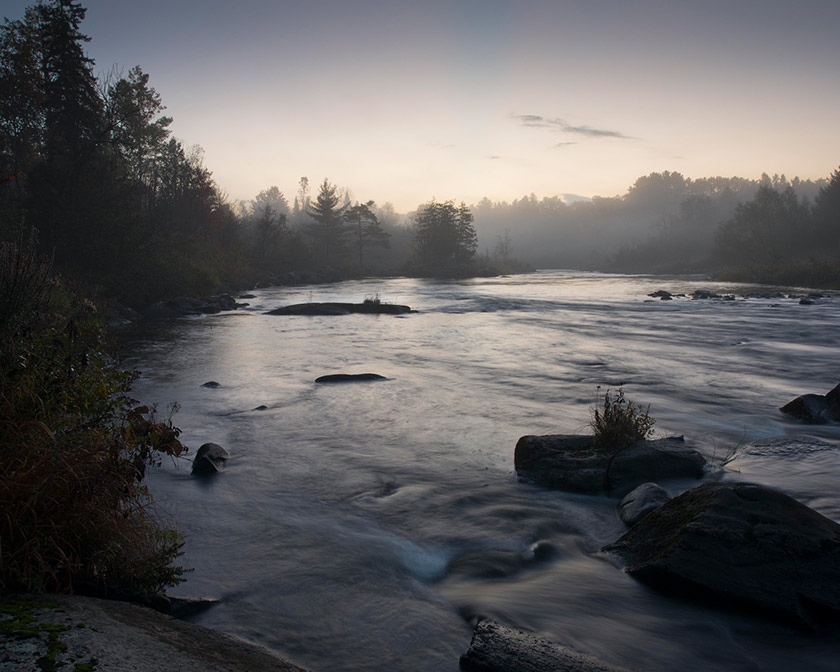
640	501
573	463
495	648
209	459
349	378
84	633
740	545
368	307
815	409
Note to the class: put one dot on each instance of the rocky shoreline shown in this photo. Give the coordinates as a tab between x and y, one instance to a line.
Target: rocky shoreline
68	633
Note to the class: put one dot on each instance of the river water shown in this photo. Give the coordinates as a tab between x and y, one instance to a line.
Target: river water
360	526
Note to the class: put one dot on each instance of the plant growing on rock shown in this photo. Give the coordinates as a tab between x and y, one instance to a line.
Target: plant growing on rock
618	422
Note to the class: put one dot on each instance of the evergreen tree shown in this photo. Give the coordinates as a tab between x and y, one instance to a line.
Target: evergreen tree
137	129
443	233
827	215
365	228
73	109
327	229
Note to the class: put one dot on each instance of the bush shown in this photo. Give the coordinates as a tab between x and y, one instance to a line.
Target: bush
619	422
74	452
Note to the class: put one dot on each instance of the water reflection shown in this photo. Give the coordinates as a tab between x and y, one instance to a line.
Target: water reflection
356	525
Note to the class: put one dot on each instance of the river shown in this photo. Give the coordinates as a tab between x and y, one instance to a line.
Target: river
359	526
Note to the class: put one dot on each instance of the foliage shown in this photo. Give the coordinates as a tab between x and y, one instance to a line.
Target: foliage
619	422
444	234
92	166
771	227
75	448
364	227
327	229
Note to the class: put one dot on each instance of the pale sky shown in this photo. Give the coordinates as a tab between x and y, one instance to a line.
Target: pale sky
405	101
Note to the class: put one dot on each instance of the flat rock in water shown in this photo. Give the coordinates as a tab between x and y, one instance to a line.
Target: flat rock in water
574	464
349	377
209	459
495	648
368	307
657	460
741	545
815	409
567	462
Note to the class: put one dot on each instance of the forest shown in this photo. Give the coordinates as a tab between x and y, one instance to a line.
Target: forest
90	167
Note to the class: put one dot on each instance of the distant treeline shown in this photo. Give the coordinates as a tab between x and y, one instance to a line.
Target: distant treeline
120	204
768	230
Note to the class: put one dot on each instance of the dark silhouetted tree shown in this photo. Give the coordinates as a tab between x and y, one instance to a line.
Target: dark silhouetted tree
137	128
365	228
827	215
327	230
443	233
771	227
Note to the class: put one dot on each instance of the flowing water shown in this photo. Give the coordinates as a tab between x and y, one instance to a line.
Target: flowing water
360	526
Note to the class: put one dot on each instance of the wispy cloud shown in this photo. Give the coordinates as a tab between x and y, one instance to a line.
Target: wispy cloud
565	144
593	132
561	125
494	156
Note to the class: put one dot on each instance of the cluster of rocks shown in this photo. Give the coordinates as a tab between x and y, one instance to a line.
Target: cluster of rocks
698	294
737	545
704	294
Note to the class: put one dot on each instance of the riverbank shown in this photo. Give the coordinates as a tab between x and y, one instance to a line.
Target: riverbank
65	633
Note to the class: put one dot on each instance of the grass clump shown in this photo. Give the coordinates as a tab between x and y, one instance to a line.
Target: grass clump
617	422
73	507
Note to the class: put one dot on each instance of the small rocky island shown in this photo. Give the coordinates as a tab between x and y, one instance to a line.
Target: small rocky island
336	308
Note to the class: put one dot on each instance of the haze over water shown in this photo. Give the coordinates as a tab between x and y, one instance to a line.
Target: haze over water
357	526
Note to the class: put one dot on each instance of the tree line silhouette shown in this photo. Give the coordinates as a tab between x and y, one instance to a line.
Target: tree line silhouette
121	204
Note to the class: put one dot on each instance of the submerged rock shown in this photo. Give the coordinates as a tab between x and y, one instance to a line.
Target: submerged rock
209	459
349	377
641	501
815	409
741	545
495	648
368	307
211	384
573	463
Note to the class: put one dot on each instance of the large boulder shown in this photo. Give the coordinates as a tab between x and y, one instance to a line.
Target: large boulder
495	648
815	409
741	545
334	308
573	463
209	459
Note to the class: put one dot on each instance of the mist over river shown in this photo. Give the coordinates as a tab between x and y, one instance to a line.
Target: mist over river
359	526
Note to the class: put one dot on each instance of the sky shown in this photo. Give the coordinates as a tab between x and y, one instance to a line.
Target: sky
402	102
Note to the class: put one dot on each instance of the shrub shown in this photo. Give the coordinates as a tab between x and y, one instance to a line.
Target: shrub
73	507
619	422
